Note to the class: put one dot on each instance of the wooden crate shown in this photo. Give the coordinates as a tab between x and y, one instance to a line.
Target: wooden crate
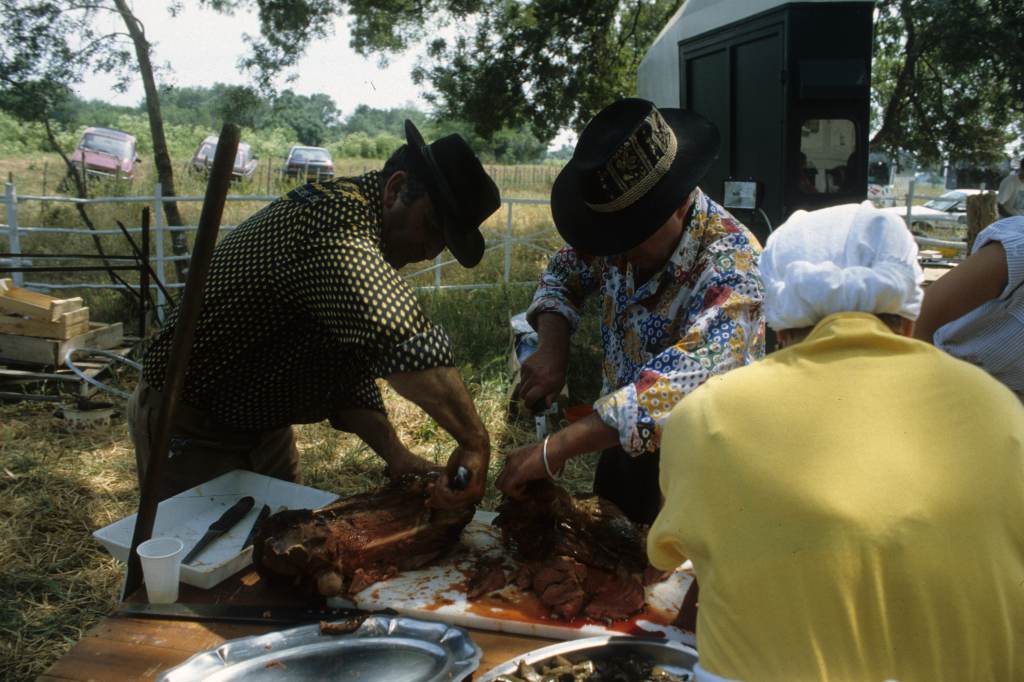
65	327
49	352
33	305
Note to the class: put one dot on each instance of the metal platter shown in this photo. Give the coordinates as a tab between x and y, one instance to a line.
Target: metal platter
386	648
677	659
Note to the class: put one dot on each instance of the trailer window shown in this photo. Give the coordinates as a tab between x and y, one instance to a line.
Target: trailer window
827	163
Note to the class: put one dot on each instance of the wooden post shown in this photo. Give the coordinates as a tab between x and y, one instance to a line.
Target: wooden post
158	239
13	236
42	204
981	212
189	307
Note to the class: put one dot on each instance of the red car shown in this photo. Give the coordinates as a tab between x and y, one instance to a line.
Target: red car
106	153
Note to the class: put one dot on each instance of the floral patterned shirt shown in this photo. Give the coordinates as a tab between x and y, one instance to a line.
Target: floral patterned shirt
699	316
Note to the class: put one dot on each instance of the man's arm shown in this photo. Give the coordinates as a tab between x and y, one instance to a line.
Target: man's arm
442	395
980	278
555	311
526	464
632	415
375	429
543	373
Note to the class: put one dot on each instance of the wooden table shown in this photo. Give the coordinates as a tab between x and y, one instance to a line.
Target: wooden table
130	648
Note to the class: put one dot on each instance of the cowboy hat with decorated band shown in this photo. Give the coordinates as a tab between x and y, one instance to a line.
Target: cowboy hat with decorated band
462	193
633	166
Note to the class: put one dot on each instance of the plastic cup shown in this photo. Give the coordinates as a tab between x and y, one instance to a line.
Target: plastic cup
161	568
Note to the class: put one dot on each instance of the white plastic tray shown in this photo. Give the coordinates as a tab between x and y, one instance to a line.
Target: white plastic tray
187	515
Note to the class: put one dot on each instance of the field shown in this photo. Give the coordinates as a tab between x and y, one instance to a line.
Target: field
58	485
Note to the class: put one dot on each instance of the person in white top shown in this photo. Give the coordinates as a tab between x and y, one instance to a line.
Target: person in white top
1010	200
975	312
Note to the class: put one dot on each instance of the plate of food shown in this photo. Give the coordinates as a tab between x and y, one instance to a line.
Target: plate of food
601	659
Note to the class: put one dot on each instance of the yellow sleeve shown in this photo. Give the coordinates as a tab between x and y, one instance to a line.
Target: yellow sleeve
665	548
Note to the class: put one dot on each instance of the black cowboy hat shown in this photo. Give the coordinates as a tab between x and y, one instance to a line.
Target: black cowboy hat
462	193
633	165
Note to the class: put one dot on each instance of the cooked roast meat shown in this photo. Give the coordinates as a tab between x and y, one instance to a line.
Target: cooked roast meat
486	578
354	542
581	554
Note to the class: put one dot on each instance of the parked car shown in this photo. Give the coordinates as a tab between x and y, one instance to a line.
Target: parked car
948	210
245	161
311	163
106	153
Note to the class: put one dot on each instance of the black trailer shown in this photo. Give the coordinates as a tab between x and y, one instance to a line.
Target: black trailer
787	84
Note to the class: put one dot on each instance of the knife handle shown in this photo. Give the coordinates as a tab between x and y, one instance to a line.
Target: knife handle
233	515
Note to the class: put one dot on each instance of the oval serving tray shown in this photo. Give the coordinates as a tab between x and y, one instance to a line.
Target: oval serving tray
392	648
675	658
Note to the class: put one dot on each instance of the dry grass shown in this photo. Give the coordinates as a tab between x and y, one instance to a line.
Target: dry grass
57	486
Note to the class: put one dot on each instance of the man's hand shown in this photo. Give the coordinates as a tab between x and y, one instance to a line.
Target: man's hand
522	465
402	461
442	395
542	376
444	497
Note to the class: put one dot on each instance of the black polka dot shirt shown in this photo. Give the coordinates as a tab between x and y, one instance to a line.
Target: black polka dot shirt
301	314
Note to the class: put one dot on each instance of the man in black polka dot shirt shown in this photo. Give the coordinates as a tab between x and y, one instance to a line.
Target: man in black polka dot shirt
304	309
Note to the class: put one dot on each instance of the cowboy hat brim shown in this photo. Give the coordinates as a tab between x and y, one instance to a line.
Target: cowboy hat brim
609	233
462	238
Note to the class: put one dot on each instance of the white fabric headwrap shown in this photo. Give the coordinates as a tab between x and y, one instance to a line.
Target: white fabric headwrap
844	258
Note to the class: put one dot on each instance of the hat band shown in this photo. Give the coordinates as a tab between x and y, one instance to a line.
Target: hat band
642	186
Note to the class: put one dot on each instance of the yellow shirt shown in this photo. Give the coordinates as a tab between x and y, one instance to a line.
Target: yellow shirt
854	509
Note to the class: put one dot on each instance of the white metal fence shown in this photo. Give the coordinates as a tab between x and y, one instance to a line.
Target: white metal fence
504	239
495	239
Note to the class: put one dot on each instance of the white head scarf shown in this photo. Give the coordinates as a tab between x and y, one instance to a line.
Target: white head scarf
844	258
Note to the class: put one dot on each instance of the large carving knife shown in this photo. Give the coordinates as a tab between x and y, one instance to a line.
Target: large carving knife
222	525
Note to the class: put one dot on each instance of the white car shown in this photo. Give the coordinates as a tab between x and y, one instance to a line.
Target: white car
948	210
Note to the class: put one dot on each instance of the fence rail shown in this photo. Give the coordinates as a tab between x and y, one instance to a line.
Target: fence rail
504	239
495	239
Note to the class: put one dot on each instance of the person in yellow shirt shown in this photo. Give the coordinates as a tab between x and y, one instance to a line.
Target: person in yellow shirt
853	504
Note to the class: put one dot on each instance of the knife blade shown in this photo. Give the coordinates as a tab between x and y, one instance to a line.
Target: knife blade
264	513
222	525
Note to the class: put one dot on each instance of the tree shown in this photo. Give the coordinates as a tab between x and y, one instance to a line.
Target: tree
948	75
366	119
948	78
48	45
544	63
312	117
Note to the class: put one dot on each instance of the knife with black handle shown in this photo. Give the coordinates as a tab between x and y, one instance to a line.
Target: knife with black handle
222	525
264	513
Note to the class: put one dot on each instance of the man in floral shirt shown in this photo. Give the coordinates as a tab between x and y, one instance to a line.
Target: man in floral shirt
680	295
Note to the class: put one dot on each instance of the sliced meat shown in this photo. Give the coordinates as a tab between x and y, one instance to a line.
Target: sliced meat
581	555
486	578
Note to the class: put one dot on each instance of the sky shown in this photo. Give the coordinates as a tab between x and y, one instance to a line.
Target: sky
202	47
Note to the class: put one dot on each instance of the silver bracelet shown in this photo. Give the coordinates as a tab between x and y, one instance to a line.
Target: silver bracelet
547	467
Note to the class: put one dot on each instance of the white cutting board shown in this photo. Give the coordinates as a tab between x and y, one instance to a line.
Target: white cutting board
439	593
188	515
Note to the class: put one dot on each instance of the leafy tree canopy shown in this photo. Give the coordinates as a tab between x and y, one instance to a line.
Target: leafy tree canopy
948	78
948	74
544	64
